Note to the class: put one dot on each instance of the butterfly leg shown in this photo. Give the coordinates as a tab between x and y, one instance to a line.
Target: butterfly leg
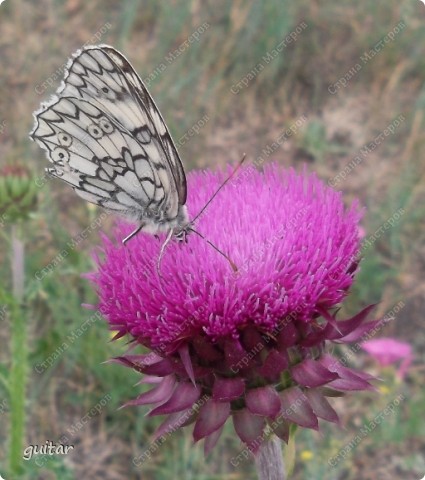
132	234
163	247
161	254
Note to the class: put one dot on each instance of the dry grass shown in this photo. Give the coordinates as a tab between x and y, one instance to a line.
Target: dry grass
36	38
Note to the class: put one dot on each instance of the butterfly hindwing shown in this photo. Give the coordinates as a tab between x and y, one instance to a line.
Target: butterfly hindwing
103	76
103	162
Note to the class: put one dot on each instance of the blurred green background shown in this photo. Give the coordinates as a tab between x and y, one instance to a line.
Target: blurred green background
226	85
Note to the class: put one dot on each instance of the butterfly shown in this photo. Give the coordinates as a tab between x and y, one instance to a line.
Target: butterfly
107	139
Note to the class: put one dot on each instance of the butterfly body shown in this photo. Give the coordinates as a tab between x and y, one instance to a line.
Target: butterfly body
107	139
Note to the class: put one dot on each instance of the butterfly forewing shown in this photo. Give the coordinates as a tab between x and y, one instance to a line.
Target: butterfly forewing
107	139
102	74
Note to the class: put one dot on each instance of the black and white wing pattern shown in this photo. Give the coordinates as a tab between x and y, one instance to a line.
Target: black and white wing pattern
106	138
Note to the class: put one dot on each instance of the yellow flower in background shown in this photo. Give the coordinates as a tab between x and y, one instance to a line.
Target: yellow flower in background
306	455
384	389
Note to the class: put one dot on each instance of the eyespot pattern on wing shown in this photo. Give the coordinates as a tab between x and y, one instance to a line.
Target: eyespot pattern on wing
107	139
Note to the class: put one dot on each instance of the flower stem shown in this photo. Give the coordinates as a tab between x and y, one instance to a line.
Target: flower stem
18	372
17	264
269	460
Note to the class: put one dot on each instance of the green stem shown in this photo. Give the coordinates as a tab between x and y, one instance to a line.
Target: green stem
19	353
17	264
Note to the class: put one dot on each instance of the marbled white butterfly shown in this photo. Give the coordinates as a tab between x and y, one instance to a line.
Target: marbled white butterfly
106	138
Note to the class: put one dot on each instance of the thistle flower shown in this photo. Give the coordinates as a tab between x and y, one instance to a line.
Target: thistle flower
388	351
18	192
250	344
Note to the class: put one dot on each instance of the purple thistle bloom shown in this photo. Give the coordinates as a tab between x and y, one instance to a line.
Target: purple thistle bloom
248	344
388	351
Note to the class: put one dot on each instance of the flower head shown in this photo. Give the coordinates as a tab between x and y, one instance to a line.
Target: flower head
248	344
18	192
388	351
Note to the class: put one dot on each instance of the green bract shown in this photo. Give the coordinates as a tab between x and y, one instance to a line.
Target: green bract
18	193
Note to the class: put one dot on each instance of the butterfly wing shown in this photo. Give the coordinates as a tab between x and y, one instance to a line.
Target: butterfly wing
104	77
104	163
107	139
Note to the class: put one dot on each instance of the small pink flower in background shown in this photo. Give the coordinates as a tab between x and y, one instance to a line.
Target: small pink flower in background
387	351
250	345
361	232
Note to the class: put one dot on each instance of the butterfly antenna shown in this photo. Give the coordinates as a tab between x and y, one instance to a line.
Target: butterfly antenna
232	264
238	166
